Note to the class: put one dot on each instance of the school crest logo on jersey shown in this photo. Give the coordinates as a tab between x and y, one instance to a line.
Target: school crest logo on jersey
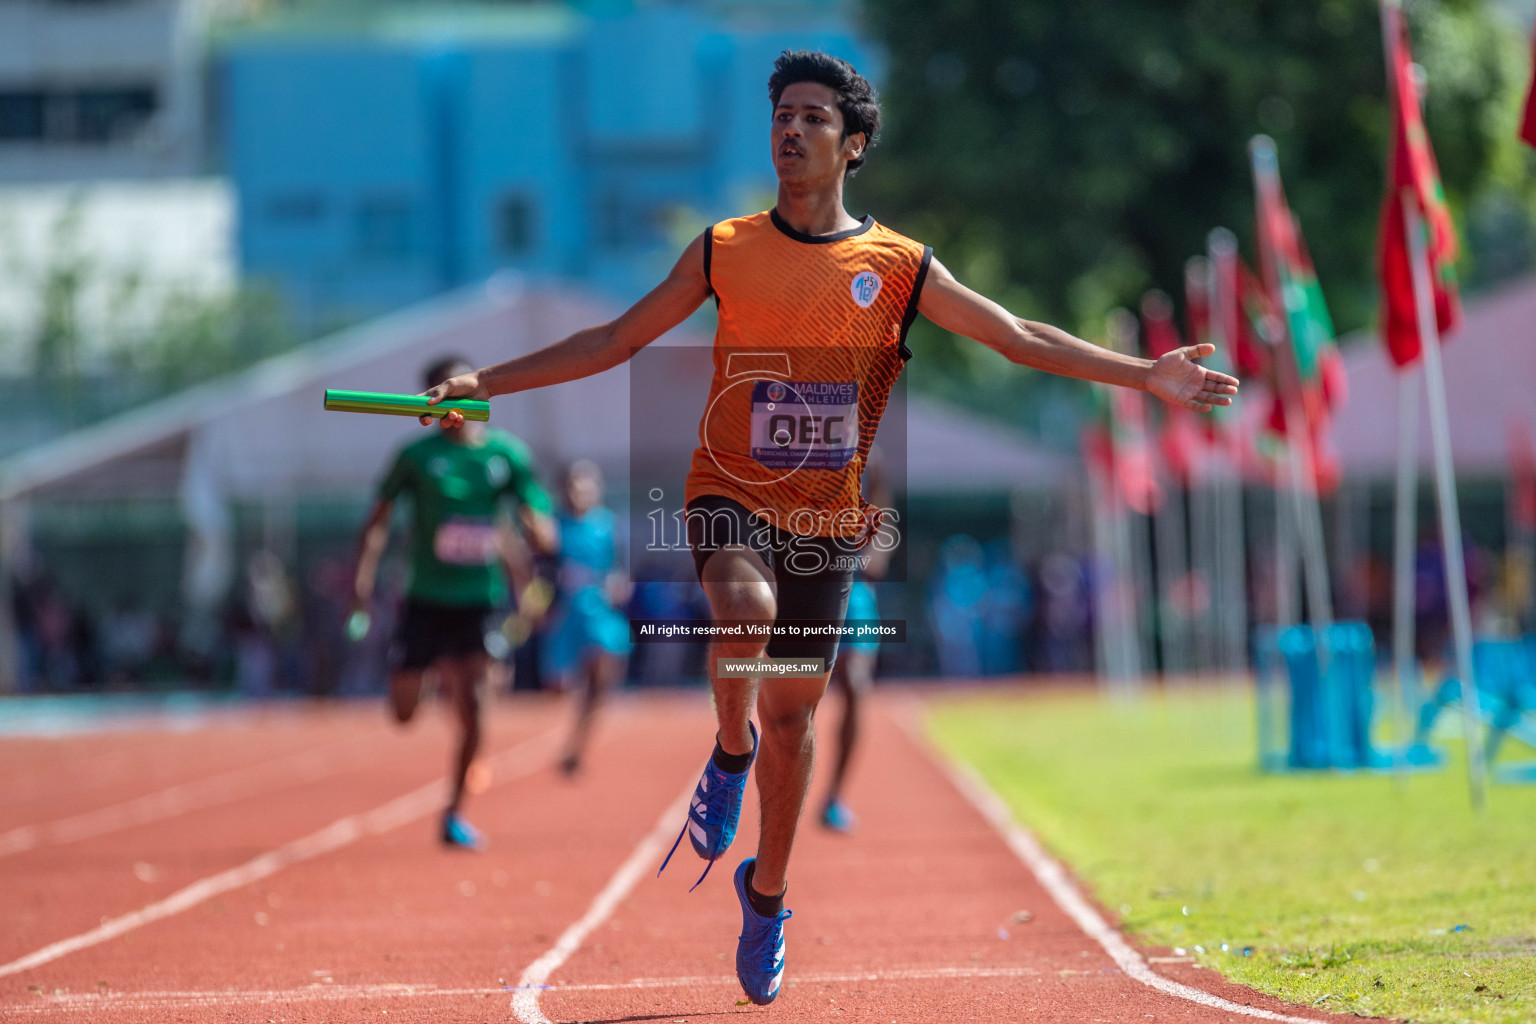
866	287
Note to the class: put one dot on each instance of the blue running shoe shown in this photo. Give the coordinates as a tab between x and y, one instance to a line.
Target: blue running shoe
760	949
714	812
837	817
460	834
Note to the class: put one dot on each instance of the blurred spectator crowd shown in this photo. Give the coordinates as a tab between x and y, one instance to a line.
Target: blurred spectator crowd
983	614
283	633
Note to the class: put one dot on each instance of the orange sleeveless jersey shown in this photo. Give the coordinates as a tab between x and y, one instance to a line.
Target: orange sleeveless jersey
811	337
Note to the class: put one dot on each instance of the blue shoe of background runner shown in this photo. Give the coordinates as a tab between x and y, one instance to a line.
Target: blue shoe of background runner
461	834
714	812
837	817
760	948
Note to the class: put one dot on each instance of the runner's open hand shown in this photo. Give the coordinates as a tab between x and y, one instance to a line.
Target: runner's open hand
465	385
1178	380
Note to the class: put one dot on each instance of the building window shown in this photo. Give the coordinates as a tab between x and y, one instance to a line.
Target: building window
515	226
385	228
21	116
628	222
296	207
105	115
75	115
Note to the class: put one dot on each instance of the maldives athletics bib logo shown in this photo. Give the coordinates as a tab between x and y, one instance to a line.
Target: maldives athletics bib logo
866	287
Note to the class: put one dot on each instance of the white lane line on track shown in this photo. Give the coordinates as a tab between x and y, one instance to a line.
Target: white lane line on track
236	784
1055	880
520	759
525	1002
75	1002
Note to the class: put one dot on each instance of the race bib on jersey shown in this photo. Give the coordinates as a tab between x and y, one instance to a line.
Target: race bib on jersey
804	424
465	542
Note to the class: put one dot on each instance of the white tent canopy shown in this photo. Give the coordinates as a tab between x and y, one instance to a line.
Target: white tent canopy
1490	383
262	432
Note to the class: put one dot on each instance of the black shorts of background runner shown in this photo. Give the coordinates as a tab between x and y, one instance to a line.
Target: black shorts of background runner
429	631
813	574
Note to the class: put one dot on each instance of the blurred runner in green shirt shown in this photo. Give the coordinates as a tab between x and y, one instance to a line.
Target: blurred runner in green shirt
463	552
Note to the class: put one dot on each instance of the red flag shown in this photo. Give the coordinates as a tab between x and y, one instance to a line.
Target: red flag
1132	452
1180	440
1304	330
1114	443
1255	317
1098	453
1157	325
1197	299
1528	125
1124	470
1125	413
1411	171
1294	291
1254	321
1198	279
1225	300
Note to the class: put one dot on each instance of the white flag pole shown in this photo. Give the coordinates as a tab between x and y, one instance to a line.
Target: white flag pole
1169	531
1303	474
1404	529
1101	497
1286	613
1232	612
1309	519
1205	568
1172	624
1121	337
1445	487
1228	609
1204	563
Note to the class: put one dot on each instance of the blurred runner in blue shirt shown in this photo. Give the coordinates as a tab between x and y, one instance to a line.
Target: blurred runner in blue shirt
587	639
853	675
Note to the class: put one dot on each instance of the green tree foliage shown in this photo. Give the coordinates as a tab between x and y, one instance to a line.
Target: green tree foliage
1066	157
93	366
199	337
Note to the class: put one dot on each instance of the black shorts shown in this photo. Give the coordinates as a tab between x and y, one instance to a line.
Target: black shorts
813	575
429	631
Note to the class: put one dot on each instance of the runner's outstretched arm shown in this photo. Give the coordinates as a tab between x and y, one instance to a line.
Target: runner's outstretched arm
1175	378
371	542
515	557
539	529
594	349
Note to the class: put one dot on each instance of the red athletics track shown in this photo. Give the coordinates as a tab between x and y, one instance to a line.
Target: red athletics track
306	886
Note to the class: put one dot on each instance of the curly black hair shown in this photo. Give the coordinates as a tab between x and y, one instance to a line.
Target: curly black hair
443	367
855	96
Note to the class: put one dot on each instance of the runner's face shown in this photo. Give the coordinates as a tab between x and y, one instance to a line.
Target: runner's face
808	144
583	492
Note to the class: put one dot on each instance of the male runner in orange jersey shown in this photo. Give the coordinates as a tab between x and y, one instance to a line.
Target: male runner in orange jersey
814	306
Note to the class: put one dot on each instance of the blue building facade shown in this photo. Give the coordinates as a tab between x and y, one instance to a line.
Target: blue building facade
378	166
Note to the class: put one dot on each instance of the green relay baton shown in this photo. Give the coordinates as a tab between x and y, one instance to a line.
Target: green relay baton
404	405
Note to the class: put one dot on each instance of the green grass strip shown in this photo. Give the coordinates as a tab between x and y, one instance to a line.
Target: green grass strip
1341	891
